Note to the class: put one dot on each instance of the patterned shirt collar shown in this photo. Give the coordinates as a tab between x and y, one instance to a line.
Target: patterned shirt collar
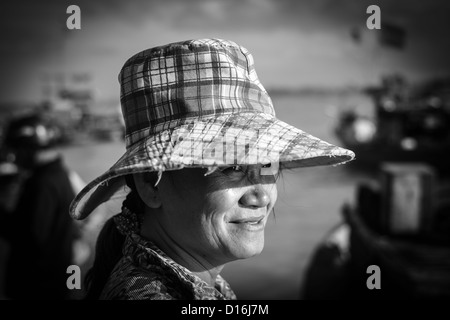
147	253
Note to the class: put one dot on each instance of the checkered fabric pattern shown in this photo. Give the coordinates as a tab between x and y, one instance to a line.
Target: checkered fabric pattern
200	103
164	86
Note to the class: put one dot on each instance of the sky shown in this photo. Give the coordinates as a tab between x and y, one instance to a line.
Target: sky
295	43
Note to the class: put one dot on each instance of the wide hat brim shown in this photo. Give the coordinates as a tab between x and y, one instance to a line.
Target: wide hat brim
244	138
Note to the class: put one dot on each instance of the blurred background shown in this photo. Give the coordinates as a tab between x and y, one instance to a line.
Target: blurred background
382	93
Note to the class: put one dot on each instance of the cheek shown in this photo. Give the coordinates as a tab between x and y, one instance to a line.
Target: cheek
205	215
206	224
220	203
219	207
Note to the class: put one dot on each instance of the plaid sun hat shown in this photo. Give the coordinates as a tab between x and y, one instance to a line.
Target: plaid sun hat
199	103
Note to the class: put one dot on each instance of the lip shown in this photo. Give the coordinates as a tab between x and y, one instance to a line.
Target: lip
248	220
249	223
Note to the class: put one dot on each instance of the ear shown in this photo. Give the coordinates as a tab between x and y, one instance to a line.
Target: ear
147	191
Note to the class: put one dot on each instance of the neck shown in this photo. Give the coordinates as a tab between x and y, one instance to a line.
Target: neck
193	261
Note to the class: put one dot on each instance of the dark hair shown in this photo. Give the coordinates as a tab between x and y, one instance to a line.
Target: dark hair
108	249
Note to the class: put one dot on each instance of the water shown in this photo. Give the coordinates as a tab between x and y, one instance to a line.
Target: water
308	205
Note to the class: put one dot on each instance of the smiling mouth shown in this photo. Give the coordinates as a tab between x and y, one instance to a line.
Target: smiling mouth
254	220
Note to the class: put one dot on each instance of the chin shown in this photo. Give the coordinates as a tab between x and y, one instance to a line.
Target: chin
249	250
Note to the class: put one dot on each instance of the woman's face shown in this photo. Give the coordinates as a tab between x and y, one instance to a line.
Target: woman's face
222	215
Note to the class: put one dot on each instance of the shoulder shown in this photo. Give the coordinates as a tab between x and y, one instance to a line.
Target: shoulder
49	174
130	282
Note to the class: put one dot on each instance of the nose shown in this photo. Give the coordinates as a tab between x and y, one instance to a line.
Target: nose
255	197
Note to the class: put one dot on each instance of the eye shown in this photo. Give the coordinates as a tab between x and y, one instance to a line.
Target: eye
233	170
267	165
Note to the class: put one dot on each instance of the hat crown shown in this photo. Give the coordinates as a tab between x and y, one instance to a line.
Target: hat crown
163	86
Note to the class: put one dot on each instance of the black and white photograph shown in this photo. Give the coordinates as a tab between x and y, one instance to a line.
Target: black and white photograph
247	151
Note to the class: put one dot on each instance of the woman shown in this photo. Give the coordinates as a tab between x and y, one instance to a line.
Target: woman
196	184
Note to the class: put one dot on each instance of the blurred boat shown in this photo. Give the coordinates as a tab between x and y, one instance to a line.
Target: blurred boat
411	266
410	124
